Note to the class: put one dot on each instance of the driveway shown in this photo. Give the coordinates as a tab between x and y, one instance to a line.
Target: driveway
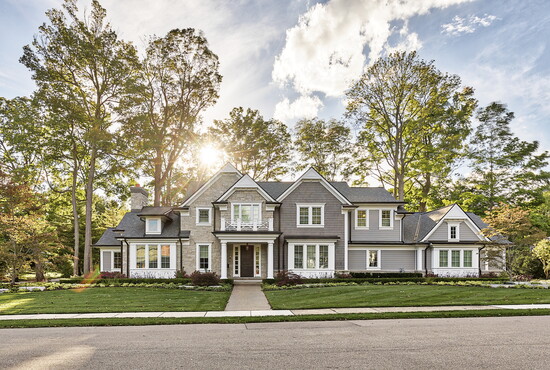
504	343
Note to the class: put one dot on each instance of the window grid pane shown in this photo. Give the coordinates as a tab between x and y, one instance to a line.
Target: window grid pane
386	218
467	258
236	212
298	256
323	256
311	256
362	218
165	257
373	258
257	257
455	258
204	216
236	263
443	259
453	232
140	256
117	260
203	257
153	257
304	215
316	215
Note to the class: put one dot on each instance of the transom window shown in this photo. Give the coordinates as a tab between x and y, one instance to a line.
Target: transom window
310	215
386	220
152	226
203	216
311	256
148	256
246	212
203	257
362	218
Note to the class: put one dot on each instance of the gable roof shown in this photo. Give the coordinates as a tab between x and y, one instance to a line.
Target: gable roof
154	211
245	182
108	239
228	168
132	226
312	175
274	188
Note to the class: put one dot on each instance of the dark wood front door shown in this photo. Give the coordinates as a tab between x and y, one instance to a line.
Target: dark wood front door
247	261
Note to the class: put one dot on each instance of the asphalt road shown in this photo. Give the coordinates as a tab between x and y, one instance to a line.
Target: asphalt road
491	343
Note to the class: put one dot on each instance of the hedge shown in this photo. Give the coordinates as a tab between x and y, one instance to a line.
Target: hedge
136	281
387	280
364	275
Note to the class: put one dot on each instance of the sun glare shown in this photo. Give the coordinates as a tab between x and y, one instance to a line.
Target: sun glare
209	155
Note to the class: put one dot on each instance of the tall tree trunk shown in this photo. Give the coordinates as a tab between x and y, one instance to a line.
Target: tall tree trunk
89	204
38	267
76	225
158	179
425	192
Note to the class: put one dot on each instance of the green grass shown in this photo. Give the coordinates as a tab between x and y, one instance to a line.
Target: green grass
243	320
112	300
402	295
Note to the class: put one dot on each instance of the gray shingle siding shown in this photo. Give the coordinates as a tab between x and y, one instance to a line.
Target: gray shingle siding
357	260
395	260
465	233
314	192
374	233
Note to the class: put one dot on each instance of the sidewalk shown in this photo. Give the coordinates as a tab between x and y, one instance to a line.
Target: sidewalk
247	295
247	313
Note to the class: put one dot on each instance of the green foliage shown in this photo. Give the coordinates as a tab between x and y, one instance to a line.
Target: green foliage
325	145
542	252
256	146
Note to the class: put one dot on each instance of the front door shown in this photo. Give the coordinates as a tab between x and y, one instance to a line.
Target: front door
247	261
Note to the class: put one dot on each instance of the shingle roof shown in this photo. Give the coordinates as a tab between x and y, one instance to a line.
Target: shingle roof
364	194
134	227
108	239
417	225
274	188
154	211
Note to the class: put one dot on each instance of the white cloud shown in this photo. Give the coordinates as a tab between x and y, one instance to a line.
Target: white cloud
462	25
303	107
325	51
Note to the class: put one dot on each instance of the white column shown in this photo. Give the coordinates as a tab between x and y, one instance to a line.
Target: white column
270	260
224	261
346	230
419	259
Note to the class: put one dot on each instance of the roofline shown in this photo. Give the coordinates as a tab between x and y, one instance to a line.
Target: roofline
207	184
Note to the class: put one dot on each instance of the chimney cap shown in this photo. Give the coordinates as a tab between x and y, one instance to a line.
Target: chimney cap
138	189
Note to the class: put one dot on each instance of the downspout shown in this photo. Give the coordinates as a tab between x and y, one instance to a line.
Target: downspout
426	259
281	251
181	254
127	258
479	259
121	257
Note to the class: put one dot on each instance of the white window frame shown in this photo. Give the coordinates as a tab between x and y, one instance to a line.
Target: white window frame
198	260
357	227
159	256
378	259
257	263
453	224
148	226
234	219
112	252
237	251
197	219
331	248
450	258
380	227
310	214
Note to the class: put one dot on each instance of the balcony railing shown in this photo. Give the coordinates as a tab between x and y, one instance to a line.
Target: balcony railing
239	225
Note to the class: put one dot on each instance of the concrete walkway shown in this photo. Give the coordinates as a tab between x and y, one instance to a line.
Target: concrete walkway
256	313
247	295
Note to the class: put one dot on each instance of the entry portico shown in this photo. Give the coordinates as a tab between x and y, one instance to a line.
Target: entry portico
246	249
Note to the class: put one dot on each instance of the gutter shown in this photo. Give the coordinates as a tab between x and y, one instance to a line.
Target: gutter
127	258
181	254
426	258
479	259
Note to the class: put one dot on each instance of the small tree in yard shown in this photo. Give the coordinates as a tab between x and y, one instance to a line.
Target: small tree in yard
542	252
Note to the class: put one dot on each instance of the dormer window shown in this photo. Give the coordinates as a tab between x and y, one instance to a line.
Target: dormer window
152	226
453	232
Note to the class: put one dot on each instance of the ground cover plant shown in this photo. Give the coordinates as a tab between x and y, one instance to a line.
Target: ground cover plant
401	295
136	299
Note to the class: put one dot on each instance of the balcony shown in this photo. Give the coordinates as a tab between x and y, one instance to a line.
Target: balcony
239	225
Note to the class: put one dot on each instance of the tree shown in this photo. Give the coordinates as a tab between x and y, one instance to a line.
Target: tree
512	227
256	146
178	80
505	168
414	121
542	252
82	69
325	145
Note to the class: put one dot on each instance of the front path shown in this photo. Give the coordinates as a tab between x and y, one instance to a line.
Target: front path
247	296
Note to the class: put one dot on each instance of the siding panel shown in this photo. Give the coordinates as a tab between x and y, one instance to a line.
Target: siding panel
395	260
373	233
357	260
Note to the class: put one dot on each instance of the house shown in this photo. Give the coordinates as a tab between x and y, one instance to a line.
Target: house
241	228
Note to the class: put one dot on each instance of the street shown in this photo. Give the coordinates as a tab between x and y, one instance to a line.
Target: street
504	343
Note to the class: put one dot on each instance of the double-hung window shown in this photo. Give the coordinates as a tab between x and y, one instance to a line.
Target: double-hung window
203	257
310	215
246	212
386	219
203	216
373	259
311	256
362	218
443	258
117	260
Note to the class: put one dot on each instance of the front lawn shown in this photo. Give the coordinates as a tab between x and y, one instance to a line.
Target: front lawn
112	300
402	295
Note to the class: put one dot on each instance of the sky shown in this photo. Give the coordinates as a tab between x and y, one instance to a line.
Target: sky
294	59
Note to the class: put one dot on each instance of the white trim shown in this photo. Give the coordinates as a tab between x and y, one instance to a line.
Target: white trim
246	183
148	228
378	259
258	260
310	206
380	227
464	218
233	219
246	238
312	175
316	268
356	217
236	251
227	168
382	247
448	250
147	244
457	233
270	260
197	257
346	237
197	212
223	261
112	251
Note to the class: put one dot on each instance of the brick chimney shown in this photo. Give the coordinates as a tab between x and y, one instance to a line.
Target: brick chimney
139	198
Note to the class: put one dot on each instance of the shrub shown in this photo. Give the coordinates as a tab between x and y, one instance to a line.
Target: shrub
204	278
285	278
367	275
181	274
112	275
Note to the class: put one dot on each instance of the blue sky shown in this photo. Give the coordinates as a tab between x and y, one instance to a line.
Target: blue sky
295	59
